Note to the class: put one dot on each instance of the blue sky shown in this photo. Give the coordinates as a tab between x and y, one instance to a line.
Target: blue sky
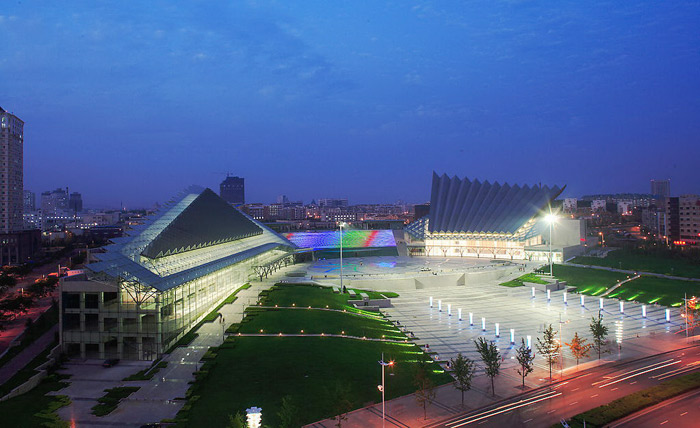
358	99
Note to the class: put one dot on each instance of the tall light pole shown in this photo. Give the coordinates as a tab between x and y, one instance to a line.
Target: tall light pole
381	387
550	218
341	224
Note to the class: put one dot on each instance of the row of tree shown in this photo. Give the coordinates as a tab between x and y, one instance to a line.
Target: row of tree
17	304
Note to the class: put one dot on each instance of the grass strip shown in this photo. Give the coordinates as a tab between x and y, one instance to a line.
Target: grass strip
37	329
109	402
632	403
26	372
519	281
148	373
35	408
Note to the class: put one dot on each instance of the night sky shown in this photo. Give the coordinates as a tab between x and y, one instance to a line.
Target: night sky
357	99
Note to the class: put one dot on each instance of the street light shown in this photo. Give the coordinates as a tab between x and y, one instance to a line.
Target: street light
381	387
550	219
341	225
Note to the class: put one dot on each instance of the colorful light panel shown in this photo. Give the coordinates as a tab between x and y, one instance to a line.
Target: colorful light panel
351	239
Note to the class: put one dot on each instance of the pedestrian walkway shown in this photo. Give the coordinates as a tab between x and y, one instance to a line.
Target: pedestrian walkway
27	355
633	272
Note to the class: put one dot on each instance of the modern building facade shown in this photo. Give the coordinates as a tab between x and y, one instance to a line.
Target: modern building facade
232	190
11	172
29	201
661	189
55	202
150	287
480	219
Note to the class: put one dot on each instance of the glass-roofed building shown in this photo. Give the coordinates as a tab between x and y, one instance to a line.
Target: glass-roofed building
149	288
481	219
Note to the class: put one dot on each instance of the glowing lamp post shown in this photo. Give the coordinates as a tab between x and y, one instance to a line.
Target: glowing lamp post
582	301
471	318
668	315
431	301
529	342
622	307
439	305
498	333
549	295
483	324
600	303
341	225
459	314
381	387
550	219
533	292
565	298
254	417
644	311
449	310
512	336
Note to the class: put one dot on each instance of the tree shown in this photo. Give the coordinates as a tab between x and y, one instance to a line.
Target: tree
599	332
7	281
491	358
16	305
237	421
340	402
692	313
579	348
525	358
549	347
289	413
425	393
463	371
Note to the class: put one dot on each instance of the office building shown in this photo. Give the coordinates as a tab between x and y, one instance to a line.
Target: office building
54	202
11	172
75	202
29	198
232	190
661	189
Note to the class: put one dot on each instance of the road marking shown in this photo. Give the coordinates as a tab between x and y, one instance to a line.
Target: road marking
594	395
575	402
632	383
607	378
614	389
506	408
551	411
640	373
663	422
531	419
682	414
575	389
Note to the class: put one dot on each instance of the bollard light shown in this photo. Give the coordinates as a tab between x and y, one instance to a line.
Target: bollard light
600	303
431	301
533	291
622	307
512	336
483	324
644	311
549	295
471	318
565	298
449	310
529	342
254	417
582	302
439	305
459	314
668	315
498	333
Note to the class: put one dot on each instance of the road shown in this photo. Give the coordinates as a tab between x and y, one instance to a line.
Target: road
546	406
679	412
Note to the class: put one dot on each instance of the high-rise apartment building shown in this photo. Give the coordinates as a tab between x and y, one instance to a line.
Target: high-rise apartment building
661	188
29	201
232	190
54	202
11	172
75	202
333	202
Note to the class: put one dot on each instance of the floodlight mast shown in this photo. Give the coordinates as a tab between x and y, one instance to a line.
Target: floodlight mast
341	225
381	387
550	218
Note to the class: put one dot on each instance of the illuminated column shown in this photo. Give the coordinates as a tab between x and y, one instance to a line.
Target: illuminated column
512	336
459	314
529	342
483	324
449	310
582	302
549	295
439	305
622	307
644	311
533	291
471	318
431	301
668	315
498	333
600	303
565	298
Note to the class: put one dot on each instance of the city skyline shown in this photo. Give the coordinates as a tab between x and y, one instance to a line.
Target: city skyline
361	101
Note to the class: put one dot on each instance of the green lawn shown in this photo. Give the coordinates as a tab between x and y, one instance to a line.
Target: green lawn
586	280
317	297
656	263
109	402
26	372
35	408
649	289
260	371
528	277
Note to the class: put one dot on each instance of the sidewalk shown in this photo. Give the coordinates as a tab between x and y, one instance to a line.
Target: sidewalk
28	354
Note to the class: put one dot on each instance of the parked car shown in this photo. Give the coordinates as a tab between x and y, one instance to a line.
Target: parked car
110	362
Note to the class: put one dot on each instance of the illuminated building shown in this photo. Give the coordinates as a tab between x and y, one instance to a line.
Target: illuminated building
480	219
232	190
150	287
11	172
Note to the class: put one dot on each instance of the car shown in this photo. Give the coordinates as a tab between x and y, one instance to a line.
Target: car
110	362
